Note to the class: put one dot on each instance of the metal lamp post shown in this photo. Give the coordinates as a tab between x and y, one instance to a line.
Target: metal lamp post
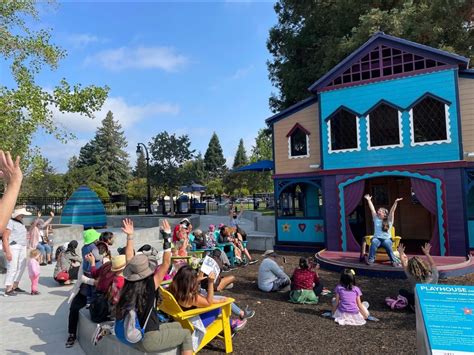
148	192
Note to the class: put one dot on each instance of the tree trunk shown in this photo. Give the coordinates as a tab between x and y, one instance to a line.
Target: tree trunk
171	203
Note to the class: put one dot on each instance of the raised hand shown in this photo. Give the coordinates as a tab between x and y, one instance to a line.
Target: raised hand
201	276
426	249
212	276
399	199
127	226
165	226
90	258
368	197
10	171
401	249
51	214
38	214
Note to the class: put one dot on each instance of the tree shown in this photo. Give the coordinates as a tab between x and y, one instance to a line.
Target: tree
194	171
214	160
140	166
26	106
169	153
311	37
261	181
109	146
87	155
240	158
42	180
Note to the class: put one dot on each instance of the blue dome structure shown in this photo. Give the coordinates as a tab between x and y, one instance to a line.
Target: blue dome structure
84	207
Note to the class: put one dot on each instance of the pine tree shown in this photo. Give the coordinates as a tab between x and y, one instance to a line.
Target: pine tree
240	158
214	160
113	162
140	167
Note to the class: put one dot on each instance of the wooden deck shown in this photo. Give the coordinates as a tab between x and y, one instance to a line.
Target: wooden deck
448	266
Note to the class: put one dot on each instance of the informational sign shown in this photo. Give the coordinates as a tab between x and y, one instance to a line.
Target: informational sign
445	319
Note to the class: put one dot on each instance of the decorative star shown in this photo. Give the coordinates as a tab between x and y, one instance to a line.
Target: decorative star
467	311
286	227
319	227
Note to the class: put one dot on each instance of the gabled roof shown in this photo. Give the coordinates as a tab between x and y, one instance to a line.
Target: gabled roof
342	108
382	102
292	109
425	95
381	38
296	127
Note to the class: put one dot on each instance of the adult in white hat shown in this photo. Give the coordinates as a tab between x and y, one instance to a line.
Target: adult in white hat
12	176
14	243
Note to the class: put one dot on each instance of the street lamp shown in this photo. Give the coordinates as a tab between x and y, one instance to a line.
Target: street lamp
148	192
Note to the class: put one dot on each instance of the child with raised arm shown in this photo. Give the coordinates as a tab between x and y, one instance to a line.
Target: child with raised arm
348	309
417	271
383	221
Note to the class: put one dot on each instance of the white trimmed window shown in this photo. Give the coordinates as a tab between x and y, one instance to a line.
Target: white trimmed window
429	121
343	132
298	142
384	127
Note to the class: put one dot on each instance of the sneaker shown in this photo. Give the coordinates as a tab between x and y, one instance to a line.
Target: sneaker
395	264
43	264
10	293
373	319
238	324
254	261
229	286
70	341
369	262
19	290
248	313
50	262
35	293
325	292
327	314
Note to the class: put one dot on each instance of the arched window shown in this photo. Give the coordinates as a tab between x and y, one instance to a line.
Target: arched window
298	142
343	131
430	121
384	127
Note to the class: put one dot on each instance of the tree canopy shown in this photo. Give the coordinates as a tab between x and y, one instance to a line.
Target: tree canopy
312	36
25	106
214	160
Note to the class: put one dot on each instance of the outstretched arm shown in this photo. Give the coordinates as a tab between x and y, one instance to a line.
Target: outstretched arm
371	205
403	257
391	214
12	176
50	219
426	250
162	270
127	228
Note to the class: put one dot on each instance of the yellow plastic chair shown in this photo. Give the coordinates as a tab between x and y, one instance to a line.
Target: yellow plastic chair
381	254
219	328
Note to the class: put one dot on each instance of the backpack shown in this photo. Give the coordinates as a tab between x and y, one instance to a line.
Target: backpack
99	308
128	329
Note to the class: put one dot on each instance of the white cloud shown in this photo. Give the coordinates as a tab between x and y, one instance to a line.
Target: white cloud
241	72
81	40
164	58
125	113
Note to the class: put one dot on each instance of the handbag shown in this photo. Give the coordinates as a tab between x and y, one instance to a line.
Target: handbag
62	276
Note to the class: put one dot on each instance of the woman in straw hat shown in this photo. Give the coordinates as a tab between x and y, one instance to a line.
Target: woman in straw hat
141	291
14	246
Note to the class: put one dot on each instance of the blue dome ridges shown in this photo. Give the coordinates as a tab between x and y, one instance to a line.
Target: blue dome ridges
84	207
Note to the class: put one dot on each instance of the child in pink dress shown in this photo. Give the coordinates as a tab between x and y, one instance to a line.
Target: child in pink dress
34	270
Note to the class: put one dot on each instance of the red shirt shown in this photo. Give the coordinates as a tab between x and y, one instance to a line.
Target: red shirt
303	279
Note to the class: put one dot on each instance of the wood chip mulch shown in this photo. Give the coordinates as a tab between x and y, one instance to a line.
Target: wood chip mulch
280	327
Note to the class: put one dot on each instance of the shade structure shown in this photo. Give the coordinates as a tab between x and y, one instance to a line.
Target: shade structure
193	188
84	207
261	165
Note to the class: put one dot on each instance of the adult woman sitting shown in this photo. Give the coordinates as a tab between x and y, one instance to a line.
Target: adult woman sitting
141	292
67	264
383	221
186	289
43	244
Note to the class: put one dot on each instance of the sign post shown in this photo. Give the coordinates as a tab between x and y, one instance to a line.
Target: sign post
444	319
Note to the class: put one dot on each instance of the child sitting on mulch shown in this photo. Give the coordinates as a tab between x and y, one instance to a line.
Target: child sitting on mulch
348	309
417	271
305	284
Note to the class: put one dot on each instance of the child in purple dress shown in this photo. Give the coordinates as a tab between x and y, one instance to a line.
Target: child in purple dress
348	309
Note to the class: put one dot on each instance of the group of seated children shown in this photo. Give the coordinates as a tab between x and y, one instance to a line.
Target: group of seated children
347	307
112	285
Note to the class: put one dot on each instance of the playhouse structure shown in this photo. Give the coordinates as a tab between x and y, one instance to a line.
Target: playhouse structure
393	119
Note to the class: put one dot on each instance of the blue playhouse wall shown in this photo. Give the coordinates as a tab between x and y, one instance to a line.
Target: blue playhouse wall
84	207
401	92
470	215
300	230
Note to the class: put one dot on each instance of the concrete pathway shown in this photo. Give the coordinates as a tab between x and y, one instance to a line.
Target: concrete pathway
38	324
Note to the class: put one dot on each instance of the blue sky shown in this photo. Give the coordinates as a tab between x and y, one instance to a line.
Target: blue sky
184	67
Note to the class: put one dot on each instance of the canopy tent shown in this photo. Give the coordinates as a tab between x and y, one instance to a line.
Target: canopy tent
193	188
262	165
